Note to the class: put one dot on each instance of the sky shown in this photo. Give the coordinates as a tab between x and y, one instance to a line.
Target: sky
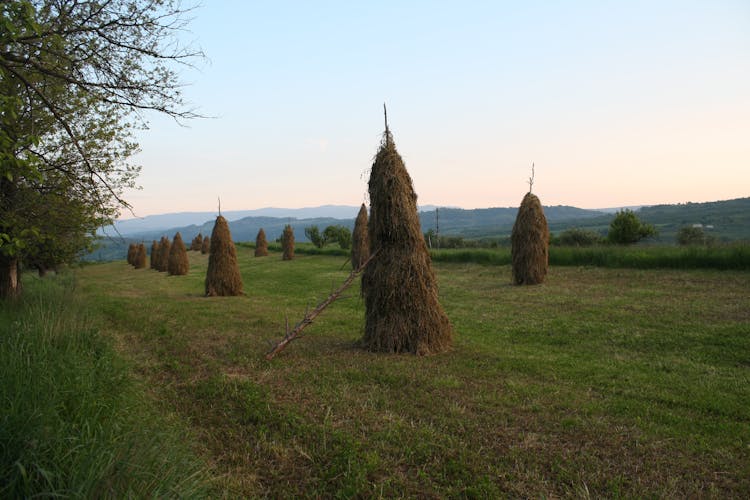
616	103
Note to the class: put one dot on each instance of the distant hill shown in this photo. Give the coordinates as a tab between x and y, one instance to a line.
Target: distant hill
727	220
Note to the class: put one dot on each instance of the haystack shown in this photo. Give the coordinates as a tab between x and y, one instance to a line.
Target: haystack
360	240
402	311
197	243
261	245
140	256
154	254
164	249
206	245
132	249
178	263
223	275
530	243
287	243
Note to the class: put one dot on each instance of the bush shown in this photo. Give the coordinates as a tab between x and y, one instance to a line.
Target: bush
575	237
626	228
313	234
689	235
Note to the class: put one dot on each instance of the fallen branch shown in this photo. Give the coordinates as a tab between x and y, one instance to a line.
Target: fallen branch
294	333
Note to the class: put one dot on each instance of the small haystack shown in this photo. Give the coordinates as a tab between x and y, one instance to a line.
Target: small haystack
360	240
206	245
140	256
287	243
154	254
164	248
132	249
178	263
530	243
402	311
261	244
223	275
197	243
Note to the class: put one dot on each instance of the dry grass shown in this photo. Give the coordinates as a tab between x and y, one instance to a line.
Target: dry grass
223	275
398	285
261	244
178	259
360	239
530	243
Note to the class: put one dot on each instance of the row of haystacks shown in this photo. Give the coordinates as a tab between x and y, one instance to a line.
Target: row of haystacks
402	311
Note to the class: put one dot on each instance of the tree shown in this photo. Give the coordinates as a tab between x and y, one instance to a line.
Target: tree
576	237
340	234
74	80
313	234
689	235
626	228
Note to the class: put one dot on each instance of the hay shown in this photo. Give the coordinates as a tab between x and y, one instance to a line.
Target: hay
287	243
206	245
132	249
360	239
403	313
178	263
530	243
164	249
261	245
140	257
223	275
197	243
154	254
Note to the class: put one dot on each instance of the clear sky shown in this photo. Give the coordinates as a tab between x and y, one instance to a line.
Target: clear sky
616	102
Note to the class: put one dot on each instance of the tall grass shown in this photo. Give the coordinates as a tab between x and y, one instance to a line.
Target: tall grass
735	256
74	423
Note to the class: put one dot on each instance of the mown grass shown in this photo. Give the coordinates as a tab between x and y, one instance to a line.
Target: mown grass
74	423
735	256
601	382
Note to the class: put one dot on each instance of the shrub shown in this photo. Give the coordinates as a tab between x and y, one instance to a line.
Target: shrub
575	237
313	234
626	228
689	235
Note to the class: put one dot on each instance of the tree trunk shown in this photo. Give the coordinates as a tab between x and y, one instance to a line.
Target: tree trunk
10	278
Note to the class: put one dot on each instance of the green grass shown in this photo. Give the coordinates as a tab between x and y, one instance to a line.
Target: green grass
74	423
601	382
735	256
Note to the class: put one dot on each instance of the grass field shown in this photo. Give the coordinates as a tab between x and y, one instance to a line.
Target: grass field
601	382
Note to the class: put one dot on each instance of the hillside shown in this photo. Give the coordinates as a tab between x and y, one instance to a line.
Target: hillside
730	221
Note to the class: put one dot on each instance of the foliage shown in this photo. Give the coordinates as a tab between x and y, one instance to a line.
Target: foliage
732	256
576	237
690	235
75	423
626	228
74	78
313	234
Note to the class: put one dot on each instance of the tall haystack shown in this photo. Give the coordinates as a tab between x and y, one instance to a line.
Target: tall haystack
197	243
206	245
530	243
360	240
164	248
223	275
154	254
140	256
261	244
402	311
287	243
132	249
178	263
